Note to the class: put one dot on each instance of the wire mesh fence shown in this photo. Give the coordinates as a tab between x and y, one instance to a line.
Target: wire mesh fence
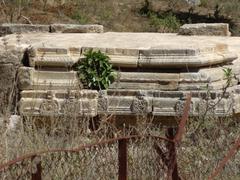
135	157
138	157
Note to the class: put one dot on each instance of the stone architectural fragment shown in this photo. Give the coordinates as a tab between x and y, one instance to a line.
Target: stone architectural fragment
31	79
74	28
211	29
22	28
184	58
59	103
53	57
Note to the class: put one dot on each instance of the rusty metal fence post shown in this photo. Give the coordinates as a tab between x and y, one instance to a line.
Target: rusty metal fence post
38	174
172	164
176	134
122	159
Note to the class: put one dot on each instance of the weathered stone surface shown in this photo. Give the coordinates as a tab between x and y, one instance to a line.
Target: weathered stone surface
154	58
127	105
9	63
170	103
149	77
177	58
59	103
145	86
206	29
7	76
58	57
30	79
22	28
75	28
218	85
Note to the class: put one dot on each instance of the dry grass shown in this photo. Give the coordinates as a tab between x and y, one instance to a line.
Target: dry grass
114	15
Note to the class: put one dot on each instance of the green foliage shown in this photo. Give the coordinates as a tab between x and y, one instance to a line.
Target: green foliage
81	19
145	10
95	70
228	73
165	23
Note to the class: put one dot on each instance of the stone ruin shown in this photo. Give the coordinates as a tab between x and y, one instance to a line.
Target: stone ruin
155	73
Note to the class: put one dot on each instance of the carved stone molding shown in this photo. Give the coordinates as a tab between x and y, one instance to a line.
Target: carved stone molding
49	107
139	104
206	107
179	108
103	103
24	74
71	107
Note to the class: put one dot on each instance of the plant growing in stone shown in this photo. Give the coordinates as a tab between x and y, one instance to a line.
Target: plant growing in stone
95	70
228	75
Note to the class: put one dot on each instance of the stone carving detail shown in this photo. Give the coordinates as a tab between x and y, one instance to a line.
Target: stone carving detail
102	102
139	104
206	107
24	77
71	107
179	108
49	106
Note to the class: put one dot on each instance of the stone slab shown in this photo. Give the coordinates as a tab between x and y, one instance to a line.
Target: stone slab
154	58
199	51
150	77
183	61
76	28
53	57
218	85
22	28
30	79
206	29
145	86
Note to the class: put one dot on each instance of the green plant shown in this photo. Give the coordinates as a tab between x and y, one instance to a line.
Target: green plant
145	10
95	70
81	19
165	23
228	75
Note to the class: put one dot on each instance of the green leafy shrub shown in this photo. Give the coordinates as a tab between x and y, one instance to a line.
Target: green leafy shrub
95	70
164	23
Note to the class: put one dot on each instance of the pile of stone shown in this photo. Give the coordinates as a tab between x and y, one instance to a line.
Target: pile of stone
152	80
